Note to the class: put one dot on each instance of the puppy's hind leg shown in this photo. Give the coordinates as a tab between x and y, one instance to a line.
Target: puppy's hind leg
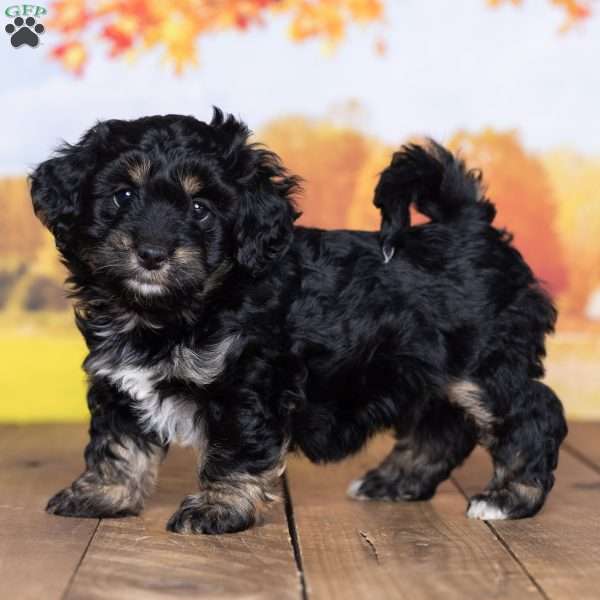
525	452
422	458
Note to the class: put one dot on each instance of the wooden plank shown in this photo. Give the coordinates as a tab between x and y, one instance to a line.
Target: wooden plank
38	552
376	550
560	547
135	558
584	441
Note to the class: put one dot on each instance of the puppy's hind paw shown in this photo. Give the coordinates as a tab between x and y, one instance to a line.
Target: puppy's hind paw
484	508
517	500
354	492
376	486
195	515
372	487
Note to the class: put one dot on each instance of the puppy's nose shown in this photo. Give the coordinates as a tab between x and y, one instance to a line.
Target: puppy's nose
152	256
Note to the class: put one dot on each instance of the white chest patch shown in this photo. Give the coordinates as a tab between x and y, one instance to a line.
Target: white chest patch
172	418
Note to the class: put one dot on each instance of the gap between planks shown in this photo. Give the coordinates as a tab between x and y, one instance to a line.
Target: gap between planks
577	456
380	550
293	532
137	559
559	547
83	555
503	543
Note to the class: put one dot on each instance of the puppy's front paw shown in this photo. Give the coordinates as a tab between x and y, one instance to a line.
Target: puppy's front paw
64	503
198	515
92	502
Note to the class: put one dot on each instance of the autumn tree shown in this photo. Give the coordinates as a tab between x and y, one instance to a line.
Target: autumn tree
576	181
362	214
20	232
328	157
28	257
519	186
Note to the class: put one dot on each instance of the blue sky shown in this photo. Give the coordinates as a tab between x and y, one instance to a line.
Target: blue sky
450	65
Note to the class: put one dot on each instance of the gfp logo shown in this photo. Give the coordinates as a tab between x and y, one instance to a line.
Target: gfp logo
24	29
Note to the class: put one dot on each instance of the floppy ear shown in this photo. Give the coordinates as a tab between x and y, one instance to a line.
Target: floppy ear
266	212
56	186
265	226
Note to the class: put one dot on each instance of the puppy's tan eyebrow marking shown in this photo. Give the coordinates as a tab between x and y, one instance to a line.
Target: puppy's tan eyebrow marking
138	170
191	184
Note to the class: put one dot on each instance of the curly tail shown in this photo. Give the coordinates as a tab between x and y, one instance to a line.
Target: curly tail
438	184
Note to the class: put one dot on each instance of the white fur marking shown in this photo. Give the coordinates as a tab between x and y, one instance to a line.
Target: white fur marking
204	367
353	490
146	289
481	509
171	418
388	254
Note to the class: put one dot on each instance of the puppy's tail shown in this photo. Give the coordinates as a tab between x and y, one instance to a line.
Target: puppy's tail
437	183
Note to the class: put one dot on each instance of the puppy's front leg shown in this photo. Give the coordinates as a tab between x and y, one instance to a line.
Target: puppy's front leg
121	463
241	465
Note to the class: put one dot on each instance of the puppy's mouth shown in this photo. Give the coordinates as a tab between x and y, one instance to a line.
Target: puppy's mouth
148	275
147	282
144	288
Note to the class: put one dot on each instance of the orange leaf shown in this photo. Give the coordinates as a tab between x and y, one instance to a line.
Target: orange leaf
72	55
69	16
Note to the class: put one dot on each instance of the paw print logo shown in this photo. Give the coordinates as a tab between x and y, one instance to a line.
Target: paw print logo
24	32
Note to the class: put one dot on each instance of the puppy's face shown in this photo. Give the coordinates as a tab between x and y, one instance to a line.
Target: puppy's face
163	207
160	215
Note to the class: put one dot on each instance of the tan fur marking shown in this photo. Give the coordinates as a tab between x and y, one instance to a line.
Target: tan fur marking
121	484
192	256
141	467
467	395
186	256
530	493
500	475
216	277
191	184
138	171
120	240
245	493
402	459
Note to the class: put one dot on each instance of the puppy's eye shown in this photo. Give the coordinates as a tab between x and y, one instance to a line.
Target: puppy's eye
202	213
123	197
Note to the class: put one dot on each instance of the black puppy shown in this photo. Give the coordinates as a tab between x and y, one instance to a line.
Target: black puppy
213	321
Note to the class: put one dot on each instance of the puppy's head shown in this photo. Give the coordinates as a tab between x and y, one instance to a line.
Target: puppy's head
162	206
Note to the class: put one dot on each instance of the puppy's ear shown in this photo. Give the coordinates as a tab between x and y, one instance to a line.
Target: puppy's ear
265	224
57	185
266	213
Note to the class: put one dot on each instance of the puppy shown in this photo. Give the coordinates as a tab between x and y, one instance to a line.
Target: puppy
213	321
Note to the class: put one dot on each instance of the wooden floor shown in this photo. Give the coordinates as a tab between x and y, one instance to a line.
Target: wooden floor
316	544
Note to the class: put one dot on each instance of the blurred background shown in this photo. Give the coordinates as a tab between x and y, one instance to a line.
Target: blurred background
333	86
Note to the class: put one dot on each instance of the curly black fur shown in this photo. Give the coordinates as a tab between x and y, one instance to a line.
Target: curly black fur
212	320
